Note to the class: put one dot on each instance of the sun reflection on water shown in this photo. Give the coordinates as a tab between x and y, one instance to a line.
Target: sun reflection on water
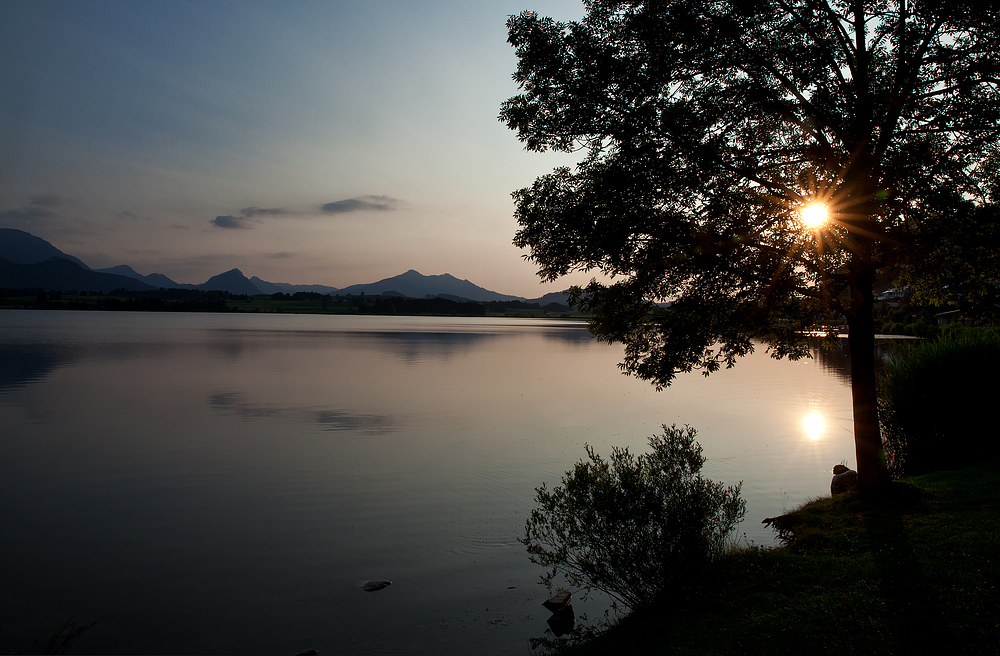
814	425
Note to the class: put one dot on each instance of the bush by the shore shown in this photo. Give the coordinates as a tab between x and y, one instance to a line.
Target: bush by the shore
911	571
936	402
634	526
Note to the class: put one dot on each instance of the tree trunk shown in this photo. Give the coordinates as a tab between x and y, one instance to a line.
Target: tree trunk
872	472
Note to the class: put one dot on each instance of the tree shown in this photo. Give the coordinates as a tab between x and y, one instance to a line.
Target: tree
705	127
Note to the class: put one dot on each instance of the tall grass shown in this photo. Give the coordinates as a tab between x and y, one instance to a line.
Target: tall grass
937	402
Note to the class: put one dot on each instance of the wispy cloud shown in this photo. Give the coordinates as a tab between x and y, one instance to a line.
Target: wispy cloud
283	255
47	200
38	207
247	217
229	221
361	204
263	211
28	213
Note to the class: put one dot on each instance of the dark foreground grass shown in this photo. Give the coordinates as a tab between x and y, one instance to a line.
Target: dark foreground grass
915	572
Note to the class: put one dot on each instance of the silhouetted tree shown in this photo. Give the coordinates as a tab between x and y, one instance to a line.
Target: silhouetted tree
705	127
955	261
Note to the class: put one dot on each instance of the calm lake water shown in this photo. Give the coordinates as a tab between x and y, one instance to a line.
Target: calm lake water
215	483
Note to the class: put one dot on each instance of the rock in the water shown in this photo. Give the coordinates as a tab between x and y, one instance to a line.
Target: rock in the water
377	584
558	601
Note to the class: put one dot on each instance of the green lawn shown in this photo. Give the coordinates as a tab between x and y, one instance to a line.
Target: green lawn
911	573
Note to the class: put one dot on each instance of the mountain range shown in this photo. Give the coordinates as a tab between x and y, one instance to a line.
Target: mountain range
27	261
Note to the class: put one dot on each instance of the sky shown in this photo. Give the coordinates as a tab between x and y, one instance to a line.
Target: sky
328	142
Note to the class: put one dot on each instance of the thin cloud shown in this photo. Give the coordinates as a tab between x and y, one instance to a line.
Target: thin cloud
283	255
28	213
38	208
250	212
232	222
361	204
47	200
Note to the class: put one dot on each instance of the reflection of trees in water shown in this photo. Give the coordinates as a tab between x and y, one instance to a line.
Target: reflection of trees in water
574	335
408	346
415	347
27	363
837	360
412	347
405	345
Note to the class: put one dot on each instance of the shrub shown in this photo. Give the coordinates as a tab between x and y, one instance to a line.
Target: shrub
634	526
936	402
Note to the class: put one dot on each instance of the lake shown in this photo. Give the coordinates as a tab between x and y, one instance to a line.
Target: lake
221	483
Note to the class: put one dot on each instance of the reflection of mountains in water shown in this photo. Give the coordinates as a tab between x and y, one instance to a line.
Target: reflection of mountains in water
408	346
24	364
27	363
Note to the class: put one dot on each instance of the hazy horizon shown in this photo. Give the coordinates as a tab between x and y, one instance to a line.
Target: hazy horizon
328	143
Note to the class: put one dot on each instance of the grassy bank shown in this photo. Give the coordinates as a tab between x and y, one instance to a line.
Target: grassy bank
914	572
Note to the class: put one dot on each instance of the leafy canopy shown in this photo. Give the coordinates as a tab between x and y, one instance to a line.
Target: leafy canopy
705	126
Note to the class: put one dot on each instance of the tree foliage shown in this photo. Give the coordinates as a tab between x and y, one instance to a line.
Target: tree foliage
633	526
704	127
955	261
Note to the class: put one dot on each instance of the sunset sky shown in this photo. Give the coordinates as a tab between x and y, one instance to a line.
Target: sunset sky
304	142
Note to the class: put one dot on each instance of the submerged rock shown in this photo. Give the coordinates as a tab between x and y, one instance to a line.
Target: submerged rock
376	584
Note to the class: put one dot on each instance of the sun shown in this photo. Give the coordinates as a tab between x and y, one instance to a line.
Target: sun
814	215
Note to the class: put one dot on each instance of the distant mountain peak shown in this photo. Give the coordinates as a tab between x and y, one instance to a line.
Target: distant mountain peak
23	247
232	281
417	285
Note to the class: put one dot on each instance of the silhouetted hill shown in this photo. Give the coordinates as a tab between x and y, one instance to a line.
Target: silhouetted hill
562	298
20	247
416	285
154	279
284	287
160	280
122	270
232	281
64	275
